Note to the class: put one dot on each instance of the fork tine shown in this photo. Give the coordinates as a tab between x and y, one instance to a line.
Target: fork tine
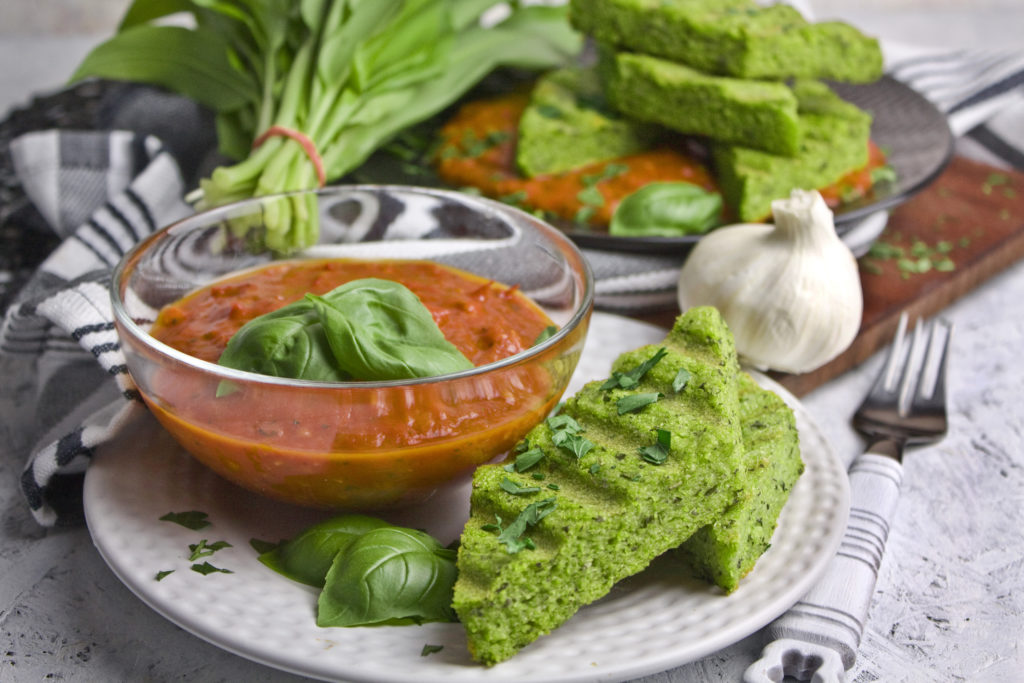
933	395
885	382
910	381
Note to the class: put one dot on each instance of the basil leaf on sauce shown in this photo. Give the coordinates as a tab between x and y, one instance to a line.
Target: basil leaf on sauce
308	557
379	330
367	329
288	342
669	209
389	575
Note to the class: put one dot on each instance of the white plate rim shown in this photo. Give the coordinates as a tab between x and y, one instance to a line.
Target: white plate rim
107	472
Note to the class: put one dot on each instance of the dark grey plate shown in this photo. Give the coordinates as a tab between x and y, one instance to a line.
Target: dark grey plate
912	132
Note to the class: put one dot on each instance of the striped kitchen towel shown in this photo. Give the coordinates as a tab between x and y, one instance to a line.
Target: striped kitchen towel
103	191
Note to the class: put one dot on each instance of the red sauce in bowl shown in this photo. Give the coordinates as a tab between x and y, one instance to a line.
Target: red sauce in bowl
351	446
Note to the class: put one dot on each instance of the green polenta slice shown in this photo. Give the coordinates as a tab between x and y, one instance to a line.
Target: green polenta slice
569	124
725	551
834	142
610	511
736	38
756	114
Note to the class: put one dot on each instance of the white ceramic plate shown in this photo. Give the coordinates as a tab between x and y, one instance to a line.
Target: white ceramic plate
654	621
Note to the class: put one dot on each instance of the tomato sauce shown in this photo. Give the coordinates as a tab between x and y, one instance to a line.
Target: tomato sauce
354	447
464	161
485	321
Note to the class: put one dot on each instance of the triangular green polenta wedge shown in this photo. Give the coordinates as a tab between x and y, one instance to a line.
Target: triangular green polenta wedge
627	470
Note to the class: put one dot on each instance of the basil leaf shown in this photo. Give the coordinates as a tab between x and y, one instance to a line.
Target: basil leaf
308	557
161	575
389	575
670	209
429	649
562	422
634	402
369	329
574	443
379	330
289	342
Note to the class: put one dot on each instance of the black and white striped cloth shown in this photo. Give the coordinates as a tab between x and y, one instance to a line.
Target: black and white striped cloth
103	191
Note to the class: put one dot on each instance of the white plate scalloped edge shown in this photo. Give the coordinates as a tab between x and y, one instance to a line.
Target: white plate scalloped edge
652	622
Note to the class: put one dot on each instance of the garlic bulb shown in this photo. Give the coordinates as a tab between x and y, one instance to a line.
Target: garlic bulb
790	292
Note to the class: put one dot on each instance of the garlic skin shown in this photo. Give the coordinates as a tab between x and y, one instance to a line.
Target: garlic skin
790	292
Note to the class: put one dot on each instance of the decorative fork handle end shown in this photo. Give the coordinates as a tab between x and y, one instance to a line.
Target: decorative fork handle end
834	611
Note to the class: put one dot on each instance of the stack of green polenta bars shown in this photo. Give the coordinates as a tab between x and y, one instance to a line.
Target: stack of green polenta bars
745	76
678	449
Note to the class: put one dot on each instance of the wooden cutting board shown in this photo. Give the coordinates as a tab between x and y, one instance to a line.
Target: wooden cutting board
964	228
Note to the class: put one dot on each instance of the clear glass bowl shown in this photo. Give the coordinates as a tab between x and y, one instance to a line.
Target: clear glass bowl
365	445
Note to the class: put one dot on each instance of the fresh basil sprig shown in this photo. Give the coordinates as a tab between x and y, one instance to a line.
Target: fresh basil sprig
347	75
368	329
667	210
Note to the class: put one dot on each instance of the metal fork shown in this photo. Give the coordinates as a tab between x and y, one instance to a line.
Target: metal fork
817	639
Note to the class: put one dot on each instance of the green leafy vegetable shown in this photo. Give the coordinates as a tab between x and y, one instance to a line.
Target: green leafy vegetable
204	549
634	402
261	546
681	379
630	378
528	459
657	453
206	569
670	209
512	535
192	519
308	557
517	489
389	575
369	329
379	330
430	649
161	575
347	75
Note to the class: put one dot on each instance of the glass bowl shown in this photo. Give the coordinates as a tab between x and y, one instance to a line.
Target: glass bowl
353	445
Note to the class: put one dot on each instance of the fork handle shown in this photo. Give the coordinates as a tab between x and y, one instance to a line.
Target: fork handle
834	611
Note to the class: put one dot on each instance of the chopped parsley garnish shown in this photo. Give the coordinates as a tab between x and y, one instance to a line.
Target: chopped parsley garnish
539	476
563	423
554	487
204	549
192	519
595	468
590	196
657	453
634	402
549	111
512	535
161	575
680	380
206	568
517	489
630	378
430	649
574	443
525	461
